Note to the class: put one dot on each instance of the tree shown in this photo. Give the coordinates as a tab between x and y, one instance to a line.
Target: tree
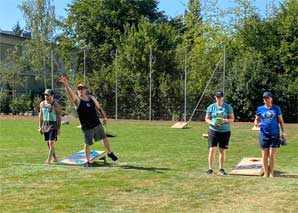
17	29
41	21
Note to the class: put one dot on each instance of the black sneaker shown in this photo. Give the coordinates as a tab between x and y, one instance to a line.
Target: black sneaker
210	172
112	156
222	172
87	164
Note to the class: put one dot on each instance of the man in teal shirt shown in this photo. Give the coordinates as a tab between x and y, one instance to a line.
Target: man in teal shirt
50	123
219	115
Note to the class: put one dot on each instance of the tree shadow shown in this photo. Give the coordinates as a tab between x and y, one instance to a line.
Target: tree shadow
280	174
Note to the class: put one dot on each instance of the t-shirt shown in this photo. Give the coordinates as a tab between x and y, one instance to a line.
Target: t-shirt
269	119
87	114
222	112
49	115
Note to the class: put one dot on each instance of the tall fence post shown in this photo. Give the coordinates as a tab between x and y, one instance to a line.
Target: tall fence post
84	65
52	68
224	71
150	82
116	89
185	84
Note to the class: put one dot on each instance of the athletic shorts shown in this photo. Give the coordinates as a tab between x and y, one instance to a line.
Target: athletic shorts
268	141
220	139
50	135
97	133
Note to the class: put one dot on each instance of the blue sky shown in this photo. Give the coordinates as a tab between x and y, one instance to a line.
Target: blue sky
10	14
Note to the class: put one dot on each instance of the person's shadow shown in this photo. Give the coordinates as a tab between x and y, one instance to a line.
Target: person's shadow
280	174
130	167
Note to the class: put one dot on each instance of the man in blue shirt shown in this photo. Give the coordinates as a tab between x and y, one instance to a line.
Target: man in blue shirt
267	118
219	115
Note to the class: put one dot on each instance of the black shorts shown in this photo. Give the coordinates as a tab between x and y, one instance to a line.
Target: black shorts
220	139
50	135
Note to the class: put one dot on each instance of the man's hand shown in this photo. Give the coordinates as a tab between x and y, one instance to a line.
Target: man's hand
58	131
105	121
40	130
215	124
62	79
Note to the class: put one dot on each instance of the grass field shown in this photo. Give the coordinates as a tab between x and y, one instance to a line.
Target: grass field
159	170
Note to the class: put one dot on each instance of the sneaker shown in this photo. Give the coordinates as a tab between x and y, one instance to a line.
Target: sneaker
112	156
87	164
210	172
222	172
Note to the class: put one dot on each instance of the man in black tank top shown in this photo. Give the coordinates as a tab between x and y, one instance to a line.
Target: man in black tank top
87	107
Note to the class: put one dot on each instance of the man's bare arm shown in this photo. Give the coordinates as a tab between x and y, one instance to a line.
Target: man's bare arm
59	115
100	109
73	97
40	118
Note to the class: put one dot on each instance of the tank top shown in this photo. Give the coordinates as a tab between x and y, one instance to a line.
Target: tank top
87	114
49	115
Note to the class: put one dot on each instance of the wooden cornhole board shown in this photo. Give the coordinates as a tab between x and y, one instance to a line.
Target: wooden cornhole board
78	158
249	166
205	135
255	128
179	125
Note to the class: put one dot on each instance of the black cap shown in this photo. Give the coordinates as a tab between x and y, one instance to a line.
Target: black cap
267	94
219	94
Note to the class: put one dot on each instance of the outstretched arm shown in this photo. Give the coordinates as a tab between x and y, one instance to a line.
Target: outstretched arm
73	97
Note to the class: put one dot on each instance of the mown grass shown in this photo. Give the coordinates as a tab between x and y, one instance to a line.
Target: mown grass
159	170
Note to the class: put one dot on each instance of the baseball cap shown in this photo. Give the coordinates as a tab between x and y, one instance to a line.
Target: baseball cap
267	94
80	85
219	94
48	92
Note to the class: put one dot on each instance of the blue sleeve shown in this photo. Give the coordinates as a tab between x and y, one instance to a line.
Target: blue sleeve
209	110
231	111
278	110
259	111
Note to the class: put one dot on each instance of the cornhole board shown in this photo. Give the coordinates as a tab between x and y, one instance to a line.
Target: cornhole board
205	135
249	166
255	128
78	158
179	125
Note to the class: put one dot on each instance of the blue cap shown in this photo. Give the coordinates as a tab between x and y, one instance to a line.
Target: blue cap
267	94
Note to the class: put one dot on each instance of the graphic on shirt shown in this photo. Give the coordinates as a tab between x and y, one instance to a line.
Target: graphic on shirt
88	105
269	115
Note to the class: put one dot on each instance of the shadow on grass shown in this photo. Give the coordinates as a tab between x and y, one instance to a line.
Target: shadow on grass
150	169
132	167
280	174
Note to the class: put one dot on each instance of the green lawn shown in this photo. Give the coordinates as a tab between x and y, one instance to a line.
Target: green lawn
159	170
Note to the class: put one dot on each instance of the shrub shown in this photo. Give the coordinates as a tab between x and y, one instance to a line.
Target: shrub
5	100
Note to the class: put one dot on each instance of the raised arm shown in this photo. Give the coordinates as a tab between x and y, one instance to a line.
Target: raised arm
73	97
100	109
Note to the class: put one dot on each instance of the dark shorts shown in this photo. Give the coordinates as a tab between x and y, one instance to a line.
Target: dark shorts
268	141
97	133
220	139
50	135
